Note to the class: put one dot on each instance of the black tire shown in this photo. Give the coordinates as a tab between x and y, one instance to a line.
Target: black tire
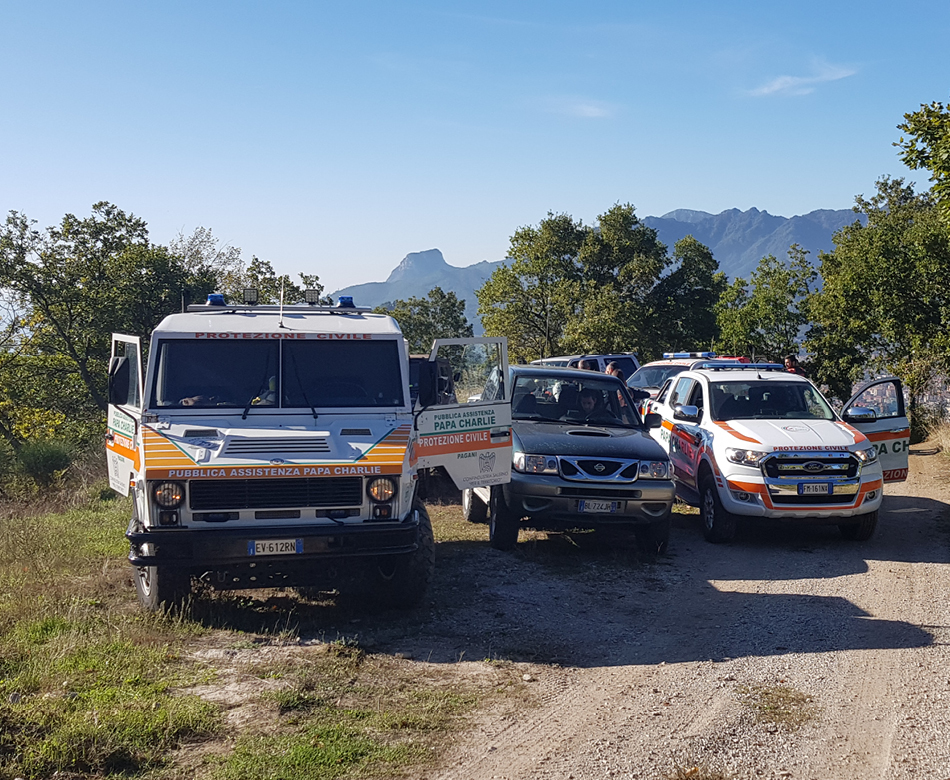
473	508
862	530
162	589
402	581
718	524
503	524
654	539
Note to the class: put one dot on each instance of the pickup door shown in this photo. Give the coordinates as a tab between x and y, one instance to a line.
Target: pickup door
890	432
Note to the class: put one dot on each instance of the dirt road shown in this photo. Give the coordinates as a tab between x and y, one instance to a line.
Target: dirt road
642	668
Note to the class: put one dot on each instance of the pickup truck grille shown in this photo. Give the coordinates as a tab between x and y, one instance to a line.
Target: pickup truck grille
811	465
598	469
219	494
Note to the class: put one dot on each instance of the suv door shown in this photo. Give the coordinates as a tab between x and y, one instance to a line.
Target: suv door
686	435
890	431
471	441
125	409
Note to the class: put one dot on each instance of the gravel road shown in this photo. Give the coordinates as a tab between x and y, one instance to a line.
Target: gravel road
641	669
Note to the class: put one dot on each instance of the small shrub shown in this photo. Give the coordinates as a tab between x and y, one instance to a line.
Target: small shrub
45	461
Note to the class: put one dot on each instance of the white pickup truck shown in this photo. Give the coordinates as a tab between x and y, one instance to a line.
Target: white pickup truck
757	441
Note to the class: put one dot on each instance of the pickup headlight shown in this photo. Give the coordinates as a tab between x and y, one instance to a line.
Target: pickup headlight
534	464
654	469
745	457
868	455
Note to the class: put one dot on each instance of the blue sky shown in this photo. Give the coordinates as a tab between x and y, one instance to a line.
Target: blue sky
335	138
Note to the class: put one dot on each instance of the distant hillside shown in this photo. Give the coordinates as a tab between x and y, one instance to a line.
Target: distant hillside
418	273
738	240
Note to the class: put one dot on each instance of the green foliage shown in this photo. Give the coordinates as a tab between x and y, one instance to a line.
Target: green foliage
884	306
44	460
928	147
574	288
765	317
260	275
531	300
422	320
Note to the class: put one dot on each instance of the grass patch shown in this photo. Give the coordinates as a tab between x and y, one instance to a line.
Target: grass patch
779	705
91	685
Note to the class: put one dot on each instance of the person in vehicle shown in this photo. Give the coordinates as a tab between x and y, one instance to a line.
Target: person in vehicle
792	365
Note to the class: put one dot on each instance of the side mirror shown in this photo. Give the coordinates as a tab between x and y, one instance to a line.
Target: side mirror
428	383
687	413
120	375
652	420
638	395
859	414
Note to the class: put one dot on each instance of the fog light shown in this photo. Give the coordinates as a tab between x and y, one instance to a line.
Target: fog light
872	494
740	496
382	511
167	518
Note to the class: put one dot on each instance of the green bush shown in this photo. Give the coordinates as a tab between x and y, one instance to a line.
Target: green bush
45	460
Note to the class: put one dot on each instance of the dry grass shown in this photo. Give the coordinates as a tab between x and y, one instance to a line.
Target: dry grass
698	773
779	705
939	436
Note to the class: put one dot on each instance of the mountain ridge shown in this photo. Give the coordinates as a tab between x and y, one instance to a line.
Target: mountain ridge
737	239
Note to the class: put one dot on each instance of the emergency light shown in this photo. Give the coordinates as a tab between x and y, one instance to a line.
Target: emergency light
345	302
686	355
215	299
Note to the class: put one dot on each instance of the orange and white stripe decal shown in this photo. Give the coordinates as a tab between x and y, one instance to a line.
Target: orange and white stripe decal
761	490
733	432
122	445
889	435
447	443
858	436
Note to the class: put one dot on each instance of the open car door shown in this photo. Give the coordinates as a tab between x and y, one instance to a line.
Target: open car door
125	411
890	430
467	431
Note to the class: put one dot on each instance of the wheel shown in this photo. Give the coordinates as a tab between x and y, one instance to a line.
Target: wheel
161	588
718	524
862	530
502	522
473	508
654	539
402	580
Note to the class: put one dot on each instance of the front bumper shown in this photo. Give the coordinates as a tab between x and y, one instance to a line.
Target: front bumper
549	502
782	500
222	557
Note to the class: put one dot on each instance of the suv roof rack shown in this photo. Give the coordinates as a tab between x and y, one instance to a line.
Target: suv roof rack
289	308
721	366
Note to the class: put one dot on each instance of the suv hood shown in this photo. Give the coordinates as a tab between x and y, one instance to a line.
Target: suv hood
797	434
546	438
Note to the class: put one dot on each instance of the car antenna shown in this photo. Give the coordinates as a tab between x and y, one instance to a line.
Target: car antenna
280	320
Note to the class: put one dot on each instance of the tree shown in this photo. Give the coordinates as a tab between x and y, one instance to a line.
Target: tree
531	300
686	299
422	320
885	305
766	317
77	283
928	147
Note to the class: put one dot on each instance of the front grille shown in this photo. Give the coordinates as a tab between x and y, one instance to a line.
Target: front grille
218	494
302	445
598	469
805	465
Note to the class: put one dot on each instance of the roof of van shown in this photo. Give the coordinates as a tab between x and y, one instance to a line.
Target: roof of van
301	320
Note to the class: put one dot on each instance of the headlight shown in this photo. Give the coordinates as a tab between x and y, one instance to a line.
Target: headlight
381	489
534	464
868	455
745	457
654	469
169	495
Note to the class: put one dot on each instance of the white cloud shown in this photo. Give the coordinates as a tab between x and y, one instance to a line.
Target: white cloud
582	108
803	85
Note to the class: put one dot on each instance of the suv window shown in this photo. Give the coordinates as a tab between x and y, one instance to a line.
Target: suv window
682	391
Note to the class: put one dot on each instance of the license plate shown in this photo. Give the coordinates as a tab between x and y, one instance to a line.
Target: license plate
598	507
815	488
275	547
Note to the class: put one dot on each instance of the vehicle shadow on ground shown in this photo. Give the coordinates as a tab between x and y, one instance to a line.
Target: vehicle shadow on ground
587	600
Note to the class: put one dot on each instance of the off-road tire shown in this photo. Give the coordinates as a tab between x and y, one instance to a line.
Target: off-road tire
862	530
162	589
473	508
654	539
503	524
718	524
402	580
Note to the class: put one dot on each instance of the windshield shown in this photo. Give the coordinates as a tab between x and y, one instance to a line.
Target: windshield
301	373
600	400
653	376
767	401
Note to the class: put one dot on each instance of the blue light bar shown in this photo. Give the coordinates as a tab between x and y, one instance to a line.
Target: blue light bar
687	355
215	299
345	302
